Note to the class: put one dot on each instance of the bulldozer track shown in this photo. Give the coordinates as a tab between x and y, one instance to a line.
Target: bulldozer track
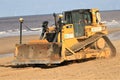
112	48
77	47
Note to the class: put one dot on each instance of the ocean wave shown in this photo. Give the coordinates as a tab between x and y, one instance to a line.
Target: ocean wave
32	31
16	32
112	23
2	32
114	36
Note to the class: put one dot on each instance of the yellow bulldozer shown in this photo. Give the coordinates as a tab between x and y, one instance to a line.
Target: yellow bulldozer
77	34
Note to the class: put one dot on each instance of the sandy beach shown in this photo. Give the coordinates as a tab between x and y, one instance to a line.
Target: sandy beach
8	43
99	69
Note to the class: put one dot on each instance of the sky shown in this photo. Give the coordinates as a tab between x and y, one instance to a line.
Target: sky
37	7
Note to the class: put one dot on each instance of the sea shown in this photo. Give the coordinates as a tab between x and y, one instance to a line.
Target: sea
10	26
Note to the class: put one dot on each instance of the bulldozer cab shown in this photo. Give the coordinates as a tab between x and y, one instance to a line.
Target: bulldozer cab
79	19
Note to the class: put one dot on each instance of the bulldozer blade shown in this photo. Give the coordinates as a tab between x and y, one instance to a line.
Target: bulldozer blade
42	53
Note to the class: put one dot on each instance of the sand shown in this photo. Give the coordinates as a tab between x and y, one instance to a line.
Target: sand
8	43
98	69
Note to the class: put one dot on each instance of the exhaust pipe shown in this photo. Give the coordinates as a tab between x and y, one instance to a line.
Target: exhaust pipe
21	20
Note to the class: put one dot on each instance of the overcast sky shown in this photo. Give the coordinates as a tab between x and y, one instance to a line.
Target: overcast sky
34	7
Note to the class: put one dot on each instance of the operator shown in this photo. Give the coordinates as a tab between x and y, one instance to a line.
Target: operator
44	28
